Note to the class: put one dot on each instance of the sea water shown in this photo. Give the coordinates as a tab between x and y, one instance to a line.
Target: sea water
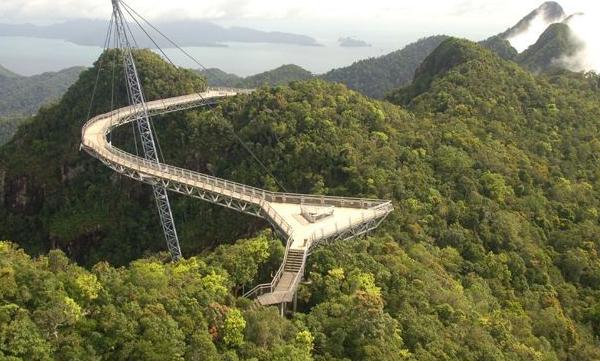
27	56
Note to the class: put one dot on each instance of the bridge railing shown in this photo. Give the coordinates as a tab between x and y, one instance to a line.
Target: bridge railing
365	216
373	208
206	182
270	287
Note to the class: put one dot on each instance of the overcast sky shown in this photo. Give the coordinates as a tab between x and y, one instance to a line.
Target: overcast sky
313	17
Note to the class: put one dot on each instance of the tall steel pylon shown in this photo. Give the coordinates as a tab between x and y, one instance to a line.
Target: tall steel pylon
149	145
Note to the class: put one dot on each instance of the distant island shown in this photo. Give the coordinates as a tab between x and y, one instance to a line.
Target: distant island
188	33
349	42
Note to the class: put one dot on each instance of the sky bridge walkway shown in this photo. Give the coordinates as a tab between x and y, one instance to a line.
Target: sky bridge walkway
304	221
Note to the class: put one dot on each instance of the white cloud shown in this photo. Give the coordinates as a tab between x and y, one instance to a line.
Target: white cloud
586	28
523	40
266	9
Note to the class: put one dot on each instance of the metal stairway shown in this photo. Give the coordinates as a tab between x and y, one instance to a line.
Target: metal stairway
290	275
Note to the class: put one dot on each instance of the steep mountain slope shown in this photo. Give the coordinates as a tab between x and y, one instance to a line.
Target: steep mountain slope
528	29
376	76
22	96
500	46
5	73
491	254
556	43
8	127
52	195
25	95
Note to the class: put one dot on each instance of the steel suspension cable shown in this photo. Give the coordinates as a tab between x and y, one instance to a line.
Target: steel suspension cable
130	10
106	44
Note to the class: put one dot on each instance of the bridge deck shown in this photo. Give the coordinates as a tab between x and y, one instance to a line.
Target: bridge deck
283	210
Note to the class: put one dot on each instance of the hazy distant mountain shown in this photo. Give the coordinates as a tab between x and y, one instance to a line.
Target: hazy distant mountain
21	95
550	12
377	76
217	77
187	33
279	76
5	73
556	43
349	42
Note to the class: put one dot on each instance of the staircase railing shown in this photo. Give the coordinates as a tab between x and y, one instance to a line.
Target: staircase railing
270	287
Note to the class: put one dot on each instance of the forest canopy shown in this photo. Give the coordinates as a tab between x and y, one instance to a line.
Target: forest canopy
491	253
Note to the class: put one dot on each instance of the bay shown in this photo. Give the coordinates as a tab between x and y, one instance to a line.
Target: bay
28	56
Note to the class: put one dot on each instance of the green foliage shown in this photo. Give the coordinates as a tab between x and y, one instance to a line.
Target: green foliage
51	309
8	127
278	76
375	77
50	185
500	46
233	329
217	77
491	254
242	259
20	95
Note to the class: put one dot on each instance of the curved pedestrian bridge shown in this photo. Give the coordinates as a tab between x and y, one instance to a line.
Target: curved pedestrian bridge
304	221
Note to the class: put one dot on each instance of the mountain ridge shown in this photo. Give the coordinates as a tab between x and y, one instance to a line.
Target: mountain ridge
556	43
188	32
375	77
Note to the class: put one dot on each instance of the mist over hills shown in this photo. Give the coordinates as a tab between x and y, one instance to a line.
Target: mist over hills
555	44
6	74
528	29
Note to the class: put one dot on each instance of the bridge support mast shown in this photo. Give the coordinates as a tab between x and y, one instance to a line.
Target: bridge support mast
149	146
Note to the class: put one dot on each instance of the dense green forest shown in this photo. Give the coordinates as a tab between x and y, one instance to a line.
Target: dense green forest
278	76
375	77
25	94
491	254
217	77
8	127
22	96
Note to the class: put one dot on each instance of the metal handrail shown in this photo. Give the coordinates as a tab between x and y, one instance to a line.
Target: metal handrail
271	285
128	114
254	195
236	190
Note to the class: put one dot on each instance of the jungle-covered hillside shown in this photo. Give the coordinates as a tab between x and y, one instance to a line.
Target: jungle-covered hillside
491	253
